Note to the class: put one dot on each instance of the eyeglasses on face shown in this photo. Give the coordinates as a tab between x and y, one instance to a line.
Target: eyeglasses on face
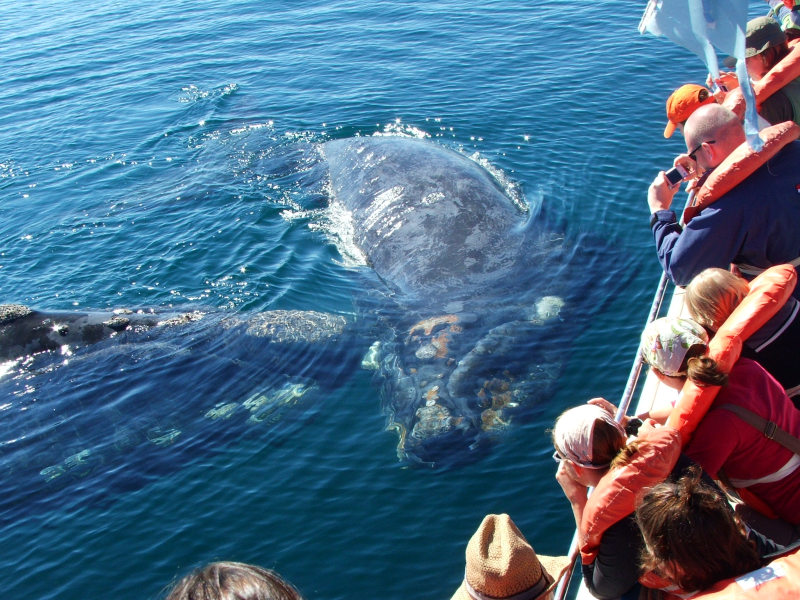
700	145
558	457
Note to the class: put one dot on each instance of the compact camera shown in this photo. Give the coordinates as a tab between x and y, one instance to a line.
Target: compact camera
675	175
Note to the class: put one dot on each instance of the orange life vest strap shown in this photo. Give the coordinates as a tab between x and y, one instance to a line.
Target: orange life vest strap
786	71
778	580
740	164
768	293
614	497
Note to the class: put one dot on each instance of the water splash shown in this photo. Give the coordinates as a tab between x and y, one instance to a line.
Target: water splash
192	93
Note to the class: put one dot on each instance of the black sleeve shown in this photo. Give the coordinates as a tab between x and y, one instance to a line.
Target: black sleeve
616	568
777	109
764	545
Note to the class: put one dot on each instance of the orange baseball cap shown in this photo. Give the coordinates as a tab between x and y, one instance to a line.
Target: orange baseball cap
683	102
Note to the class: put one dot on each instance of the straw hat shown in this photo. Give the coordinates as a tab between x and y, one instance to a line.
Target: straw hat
502	564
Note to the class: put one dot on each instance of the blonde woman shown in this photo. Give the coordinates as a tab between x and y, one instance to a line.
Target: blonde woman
710	299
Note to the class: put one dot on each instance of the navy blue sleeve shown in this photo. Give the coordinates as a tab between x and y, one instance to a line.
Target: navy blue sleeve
764	545
711	239
616	568
666	232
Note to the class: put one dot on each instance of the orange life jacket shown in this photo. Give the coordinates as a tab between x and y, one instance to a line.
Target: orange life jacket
768	293
778	580
786	71
614	497
740	164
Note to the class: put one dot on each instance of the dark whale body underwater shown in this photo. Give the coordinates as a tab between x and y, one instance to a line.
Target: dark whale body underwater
466	323
110	410
473	326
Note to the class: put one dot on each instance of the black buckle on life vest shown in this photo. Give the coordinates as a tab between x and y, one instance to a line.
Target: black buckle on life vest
769	430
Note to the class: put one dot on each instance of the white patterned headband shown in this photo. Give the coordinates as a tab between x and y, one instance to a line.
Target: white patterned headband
573	433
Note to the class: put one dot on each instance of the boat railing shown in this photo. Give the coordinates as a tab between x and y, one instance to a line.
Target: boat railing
622	409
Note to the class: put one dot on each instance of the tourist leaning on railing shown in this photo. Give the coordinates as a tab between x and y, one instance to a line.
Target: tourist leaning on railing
593	451
712	296
726	444
500	564
746	209
697	547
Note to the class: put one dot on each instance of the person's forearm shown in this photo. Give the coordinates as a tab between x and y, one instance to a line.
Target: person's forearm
667	233
659	414
578	506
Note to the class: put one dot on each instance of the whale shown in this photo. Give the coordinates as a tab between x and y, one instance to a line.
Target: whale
96	403
464	320
25	331
471	332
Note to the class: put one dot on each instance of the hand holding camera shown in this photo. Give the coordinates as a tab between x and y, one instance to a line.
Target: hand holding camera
675	175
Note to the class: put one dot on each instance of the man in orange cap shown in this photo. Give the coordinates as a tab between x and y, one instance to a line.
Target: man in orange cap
755	224
682	103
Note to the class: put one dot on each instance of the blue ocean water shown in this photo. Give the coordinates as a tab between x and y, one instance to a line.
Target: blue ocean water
154	155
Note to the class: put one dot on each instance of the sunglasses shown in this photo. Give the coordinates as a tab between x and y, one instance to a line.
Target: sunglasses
557	456
700	145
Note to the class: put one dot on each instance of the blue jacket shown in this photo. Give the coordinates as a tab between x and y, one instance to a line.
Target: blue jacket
757	223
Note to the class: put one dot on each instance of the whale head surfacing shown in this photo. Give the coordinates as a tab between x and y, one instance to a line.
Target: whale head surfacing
455	252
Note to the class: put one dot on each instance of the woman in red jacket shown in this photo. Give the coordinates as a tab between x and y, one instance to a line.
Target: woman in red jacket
723	440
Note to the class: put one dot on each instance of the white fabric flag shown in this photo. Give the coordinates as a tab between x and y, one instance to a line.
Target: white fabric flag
700	26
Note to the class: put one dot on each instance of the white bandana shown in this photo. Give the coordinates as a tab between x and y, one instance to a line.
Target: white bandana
573	433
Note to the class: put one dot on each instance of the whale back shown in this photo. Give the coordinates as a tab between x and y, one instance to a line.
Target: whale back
430	220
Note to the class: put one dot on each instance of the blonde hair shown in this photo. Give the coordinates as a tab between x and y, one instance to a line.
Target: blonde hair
712	295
